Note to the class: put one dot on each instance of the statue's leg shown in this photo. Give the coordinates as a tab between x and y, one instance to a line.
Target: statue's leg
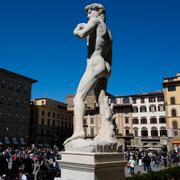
86	84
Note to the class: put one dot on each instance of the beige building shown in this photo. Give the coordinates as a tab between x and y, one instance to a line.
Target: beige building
50	122
171	89
15	96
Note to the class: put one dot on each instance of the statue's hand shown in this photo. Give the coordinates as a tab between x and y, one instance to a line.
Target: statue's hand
79	27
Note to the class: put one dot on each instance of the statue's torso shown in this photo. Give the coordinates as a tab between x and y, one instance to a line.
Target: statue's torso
100	42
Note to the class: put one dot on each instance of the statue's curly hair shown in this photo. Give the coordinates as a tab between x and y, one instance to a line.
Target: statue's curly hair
97	7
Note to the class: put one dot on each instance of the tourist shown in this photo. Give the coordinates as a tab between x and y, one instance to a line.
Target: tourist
131	164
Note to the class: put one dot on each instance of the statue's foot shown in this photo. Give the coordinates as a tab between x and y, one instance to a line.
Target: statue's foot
76	135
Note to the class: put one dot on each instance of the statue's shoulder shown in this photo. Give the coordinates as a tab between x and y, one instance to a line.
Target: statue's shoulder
102	28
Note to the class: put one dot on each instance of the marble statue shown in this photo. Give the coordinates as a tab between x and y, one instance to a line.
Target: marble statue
95	77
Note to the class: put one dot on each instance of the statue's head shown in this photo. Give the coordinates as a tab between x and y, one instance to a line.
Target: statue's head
95	10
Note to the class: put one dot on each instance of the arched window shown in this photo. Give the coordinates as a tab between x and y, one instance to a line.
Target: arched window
144	132
173	112
143	109
174	124
161	107
152	108
163	131
173	100
154	131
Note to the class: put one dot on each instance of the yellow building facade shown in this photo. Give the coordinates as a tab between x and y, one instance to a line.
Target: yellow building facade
171	89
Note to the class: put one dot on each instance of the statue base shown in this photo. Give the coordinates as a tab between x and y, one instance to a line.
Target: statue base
92	166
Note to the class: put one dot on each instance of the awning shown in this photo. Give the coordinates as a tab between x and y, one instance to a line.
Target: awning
6	140
14	140
176	142
22	141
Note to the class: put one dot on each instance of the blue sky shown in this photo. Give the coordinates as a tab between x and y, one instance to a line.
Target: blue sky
36	40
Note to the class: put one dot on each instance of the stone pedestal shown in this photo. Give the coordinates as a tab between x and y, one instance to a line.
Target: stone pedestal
92	166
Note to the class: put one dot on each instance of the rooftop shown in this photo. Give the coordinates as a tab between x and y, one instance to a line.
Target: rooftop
17	75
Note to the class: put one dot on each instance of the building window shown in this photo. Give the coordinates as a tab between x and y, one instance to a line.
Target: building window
163	131
135	109
154	131
152	99
42	102
152	108
175	133
85	131
153	120
3	85
11	87
160	98
142	100
92	121
126	120
143	120
49	114
143	109
9	102
161	108
135	121
85	121
144	132
47	132
171	88
18	88
42	112
174	125
2	100
127	132
53	123
54	115
173	100
126	100
42	121
92	132
62	124
162	120
134	100
136	132
173	112
42	132
48	122
17	103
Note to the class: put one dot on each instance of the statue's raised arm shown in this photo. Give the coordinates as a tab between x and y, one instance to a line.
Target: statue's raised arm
82	30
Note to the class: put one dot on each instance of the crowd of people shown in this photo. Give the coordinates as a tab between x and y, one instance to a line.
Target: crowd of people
149	159
29	163
32	163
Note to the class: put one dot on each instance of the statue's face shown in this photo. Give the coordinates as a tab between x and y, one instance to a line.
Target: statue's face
92	13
